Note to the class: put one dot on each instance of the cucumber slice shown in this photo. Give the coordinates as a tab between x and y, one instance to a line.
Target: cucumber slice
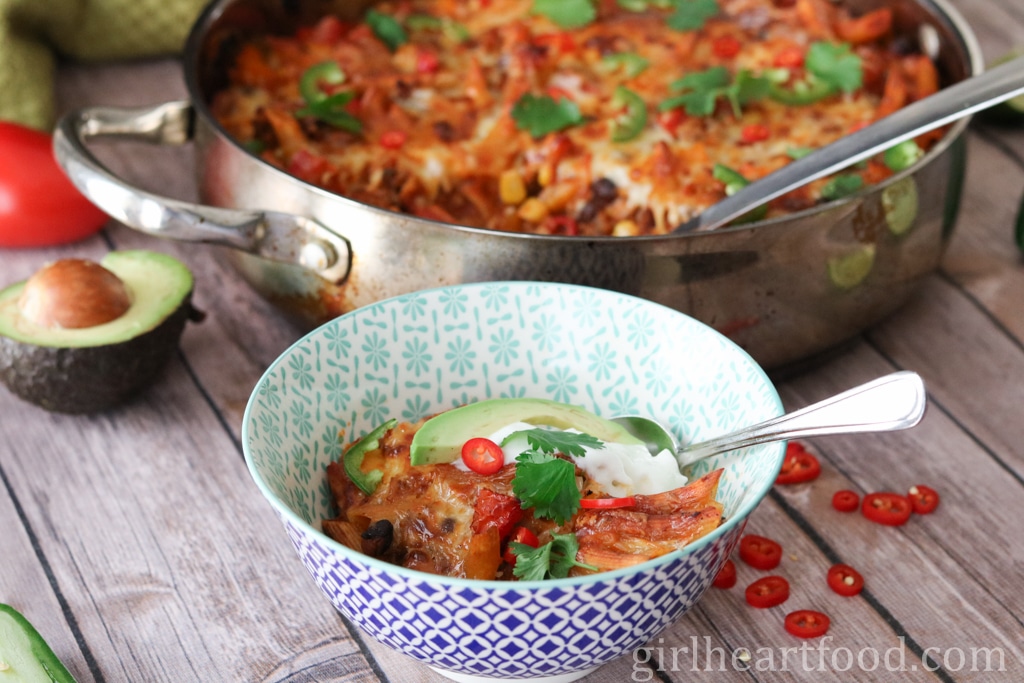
24	655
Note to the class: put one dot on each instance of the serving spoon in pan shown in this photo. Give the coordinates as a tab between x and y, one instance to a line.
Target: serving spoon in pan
889	403
947	105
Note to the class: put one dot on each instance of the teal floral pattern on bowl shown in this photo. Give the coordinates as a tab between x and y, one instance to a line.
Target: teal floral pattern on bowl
425	352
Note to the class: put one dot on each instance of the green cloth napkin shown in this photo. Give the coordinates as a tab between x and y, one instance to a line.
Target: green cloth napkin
34	32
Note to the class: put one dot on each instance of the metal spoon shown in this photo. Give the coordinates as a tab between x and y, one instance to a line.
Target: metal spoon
889	403
949	104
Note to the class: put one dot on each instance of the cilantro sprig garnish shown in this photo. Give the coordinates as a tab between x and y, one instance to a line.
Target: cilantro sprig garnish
387	29
552	560
545	482
541	114
691	15
702	89
566	13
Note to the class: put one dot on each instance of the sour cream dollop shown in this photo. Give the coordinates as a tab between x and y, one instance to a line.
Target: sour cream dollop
620	469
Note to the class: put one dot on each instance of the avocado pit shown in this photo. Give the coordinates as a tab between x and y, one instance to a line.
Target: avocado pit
72	294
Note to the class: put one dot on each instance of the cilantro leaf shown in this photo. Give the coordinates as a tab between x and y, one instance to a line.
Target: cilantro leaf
690	15
541	115
835	64
553	560
547	484
387	29
556	441
641	5
705	87
566	13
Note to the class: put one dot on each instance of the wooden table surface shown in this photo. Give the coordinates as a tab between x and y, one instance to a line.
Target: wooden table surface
137	543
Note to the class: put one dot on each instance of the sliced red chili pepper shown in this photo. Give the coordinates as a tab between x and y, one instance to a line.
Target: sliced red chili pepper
844	580
726	576
726	46
755	132
483	456
807	623
791	57
393	139
607	503
520	535
561	224
886	508
671	119
845	500
798	466
760	552
427	62
769	591
923	499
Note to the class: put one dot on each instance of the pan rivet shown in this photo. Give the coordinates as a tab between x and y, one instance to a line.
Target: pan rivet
317	256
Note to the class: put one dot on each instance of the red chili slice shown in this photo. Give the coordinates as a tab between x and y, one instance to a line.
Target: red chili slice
789	57
607	503
806	623
845	500
393	139
755	132
923	499
845	580
769	591
520	535
483	456
726	577
726	46
760	552
798	466
886	508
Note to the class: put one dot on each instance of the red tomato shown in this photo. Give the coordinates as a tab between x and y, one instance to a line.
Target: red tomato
760	552
483	456
393	139
561	224
755	132
806	623
308	166
798	466
924	499
39	206
671	119
844	580
329	30
845	500
607	503
726	46
769	591
427	62
890	509
726	577
520	535
495	509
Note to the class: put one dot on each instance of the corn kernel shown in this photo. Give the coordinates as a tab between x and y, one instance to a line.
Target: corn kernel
626	228
546	175
533	210
511	187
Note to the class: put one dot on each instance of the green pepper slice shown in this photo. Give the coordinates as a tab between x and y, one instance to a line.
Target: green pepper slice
734	182
631	63
632	122
353	459
24	655
324	72
802	92
901	156
841	186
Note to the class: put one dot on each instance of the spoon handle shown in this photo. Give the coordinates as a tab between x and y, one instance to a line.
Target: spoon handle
889	403
949	104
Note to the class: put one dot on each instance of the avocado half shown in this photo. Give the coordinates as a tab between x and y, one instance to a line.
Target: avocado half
92	368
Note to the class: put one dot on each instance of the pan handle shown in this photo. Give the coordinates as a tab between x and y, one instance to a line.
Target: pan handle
269	234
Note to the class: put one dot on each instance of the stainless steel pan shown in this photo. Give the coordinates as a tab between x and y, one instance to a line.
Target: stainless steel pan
784	289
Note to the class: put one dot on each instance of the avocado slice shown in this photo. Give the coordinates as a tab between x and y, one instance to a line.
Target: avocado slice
440	438
73	339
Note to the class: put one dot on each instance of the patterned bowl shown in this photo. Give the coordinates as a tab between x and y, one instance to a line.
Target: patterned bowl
428	351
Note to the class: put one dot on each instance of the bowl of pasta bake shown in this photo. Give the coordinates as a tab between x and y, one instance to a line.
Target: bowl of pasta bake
544	565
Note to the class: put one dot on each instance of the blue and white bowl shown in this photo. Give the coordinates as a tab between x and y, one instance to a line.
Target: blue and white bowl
428	351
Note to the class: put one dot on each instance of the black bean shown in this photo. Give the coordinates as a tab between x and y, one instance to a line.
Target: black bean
377	538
